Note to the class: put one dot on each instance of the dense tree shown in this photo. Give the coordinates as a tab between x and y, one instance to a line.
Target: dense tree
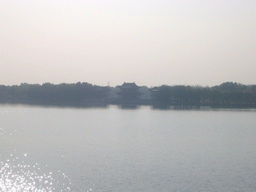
50	94
227	94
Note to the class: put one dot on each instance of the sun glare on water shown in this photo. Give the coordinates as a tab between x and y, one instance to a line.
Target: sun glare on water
17	175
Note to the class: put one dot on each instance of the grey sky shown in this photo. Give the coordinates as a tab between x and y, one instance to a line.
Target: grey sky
191	42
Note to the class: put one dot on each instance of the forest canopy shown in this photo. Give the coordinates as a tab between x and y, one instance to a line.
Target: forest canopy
228	94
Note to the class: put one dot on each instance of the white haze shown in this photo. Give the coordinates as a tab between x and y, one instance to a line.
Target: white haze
191	42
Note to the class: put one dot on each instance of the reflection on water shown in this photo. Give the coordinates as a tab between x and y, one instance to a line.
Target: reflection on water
17	175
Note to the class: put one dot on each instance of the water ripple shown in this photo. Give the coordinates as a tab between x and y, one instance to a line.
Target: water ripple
18	176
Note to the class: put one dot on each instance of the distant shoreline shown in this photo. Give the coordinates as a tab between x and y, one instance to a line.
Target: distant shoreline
129	95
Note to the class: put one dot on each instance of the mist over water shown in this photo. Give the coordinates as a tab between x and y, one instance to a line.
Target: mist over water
110	149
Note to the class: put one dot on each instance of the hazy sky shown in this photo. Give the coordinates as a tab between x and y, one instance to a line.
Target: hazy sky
150	42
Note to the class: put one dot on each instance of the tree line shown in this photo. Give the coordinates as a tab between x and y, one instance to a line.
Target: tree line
226	95
76	94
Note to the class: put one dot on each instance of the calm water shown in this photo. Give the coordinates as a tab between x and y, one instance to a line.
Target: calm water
54	149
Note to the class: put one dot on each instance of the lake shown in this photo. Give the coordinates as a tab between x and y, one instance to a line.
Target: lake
113	149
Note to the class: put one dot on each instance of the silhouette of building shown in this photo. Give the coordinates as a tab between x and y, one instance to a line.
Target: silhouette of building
129	95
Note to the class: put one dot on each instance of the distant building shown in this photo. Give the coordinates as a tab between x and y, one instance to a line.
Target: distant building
129	94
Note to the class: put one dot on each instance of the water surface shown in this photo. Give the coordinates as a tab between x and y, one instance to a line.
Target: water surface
111	149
